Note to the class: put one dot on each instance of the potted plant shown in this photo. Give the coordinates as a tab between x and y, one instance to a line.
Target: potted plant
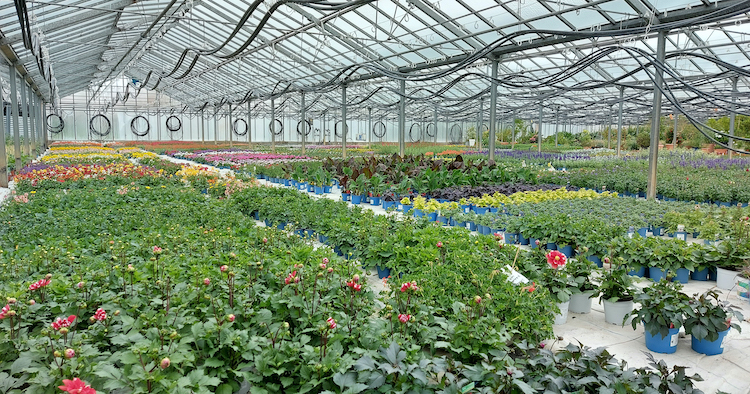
662	312
732	254
670	256
358	188
559	282
616	289
377	187
708	321
584	289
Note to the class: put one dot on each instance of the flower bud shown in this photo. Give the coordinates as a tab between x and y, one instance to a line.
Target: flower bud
117	312
286	325
57	354
70	353
80	285
330	270
131	268
32	302
265	240
224	268
440	244
11	313
206	281
230	317
48	276
12	301
477	299
164	364
173	335
355	278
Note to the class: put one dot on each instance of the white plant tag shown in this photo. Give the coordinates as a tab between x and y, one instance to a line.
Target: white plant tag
514	276
673	340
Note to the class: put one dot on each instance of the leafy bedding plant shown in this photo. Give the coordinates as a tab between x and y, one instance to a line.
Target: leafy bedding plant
161	289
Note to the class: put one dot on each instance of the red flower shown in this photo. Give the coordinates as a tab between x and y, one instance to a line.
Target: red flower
39	284
224	268
60	323
100	314
76	386
291	278
530	288
331	323
5	311
440	244
556	259
404	318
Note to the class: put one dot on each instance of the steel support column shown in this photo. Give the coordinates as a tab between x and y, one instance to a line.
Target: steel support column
493	109
203	127
402	118
3	153
732	116
14	107
480	119
369	125
435	122
25	117
343	122
674	130
231	127
653	152
249	123
273	126
619	122
34	114
304	122
539	136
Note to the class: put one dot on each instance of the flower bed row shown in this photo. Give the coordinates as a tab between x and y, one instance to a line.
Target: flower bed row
159	289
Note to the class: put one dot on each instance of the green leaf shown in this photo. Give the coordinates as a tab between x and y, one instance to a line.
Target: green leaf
224	389
214	363
523	386
345	380
20	364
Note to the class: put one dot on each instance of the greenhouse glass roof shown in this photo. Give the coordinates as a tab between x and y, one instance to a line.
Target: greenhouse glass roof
572	56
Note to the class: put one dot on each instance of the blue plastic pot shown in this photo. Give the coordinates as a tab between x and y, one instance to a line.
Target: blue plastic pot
388	204
710	348
406	208
532	243
493	210
466	208
442	219
375	201
641	272
658	231
256	215
327	189
523	240
281	225
567	250
551	246
383	272
322	239
417	213
345	196
667	345
642	231
480	210
318	189
596	260
471	226
356	200
511	238
432	216
310	188
701	275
